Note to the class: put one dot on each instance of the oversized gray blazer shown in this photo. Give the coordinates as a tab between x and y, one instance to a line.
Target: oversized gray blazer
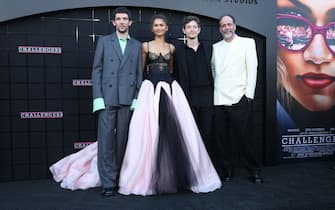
115	77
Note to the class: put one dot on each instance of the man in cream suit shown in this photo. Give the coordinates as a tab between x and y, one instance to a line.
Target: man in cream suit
234	67
116	79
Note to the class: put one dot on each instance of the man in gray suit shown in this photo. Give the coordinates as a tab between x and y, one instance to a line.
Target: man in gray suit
116	79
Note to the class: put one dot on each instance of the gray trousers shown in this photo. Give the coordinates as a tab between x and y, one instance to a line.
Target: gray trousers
113	123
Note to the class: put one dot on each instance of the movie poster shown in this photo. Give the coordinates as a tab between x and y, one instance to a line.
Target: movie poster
306	78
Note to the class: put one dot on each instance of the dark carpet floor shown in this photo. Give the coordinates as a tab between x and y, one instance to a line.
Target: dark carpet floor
290	186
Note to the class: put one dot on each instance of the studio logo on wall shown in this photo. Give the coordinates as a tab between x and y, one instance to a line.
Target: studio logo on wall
41	115
245	2
39	50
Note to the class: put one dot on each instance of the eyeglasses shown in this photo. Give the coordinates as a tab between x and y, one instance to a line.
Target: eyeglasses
295	33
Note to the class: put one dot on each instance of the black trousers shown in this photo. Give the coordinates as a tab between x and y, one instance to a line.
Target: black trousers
203	116
234	137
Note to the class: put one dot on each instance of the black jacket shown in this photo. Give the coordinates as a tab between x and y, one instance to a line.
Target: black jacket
181	71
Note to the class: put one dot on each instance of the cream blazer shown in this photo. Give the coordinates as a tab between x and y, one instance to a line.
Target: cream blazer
234	68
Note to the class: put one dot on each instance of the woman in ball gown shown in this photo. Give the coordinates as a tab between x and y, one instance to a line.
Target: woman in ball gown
165	152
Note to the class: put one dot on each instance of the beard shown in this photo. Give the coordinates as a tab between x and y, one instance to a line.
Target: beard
228	35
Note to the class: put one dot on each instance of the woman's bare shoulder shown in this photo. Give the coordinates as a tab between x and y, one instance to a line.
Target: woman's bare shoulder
172	47
145	46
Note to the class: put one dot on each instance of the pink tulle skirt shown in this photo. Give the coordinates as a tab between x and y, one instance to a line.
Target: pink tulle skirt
139	167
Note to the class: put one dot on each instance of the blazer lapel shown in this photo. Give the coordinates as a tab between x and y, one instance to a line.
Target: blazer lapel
222	54
228	54
116	46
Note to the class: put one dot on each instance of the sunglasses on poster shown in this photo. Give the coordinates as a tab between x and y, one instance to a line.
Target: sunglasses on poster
295	33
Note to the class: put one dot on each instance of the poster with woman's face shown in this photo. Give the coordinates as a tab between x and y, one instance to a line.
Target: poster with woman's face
306	77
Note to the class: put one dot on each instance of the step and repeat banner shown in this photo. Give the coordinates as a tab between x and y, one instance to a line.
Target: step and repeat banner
45	83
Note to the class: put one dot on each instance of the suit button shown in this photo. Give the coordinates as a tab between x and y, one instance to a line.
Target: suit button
130	73
112	73
110	85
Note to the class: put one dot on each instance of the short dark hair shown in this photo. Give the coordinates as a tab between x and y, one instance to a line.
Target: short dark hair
121	10
159	16
225	15
190	18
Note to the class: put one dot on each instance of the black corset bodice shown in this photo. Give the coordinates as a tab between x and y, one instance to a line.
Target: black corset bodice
158	67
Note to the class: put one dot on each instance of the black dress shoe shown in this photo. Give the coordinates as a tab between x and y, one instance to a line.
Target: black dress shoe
227	179
227	175
256	178
109	191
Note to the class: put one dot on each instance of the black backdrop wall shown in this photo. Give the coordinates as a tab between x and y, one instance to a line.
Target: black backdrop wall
59	83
